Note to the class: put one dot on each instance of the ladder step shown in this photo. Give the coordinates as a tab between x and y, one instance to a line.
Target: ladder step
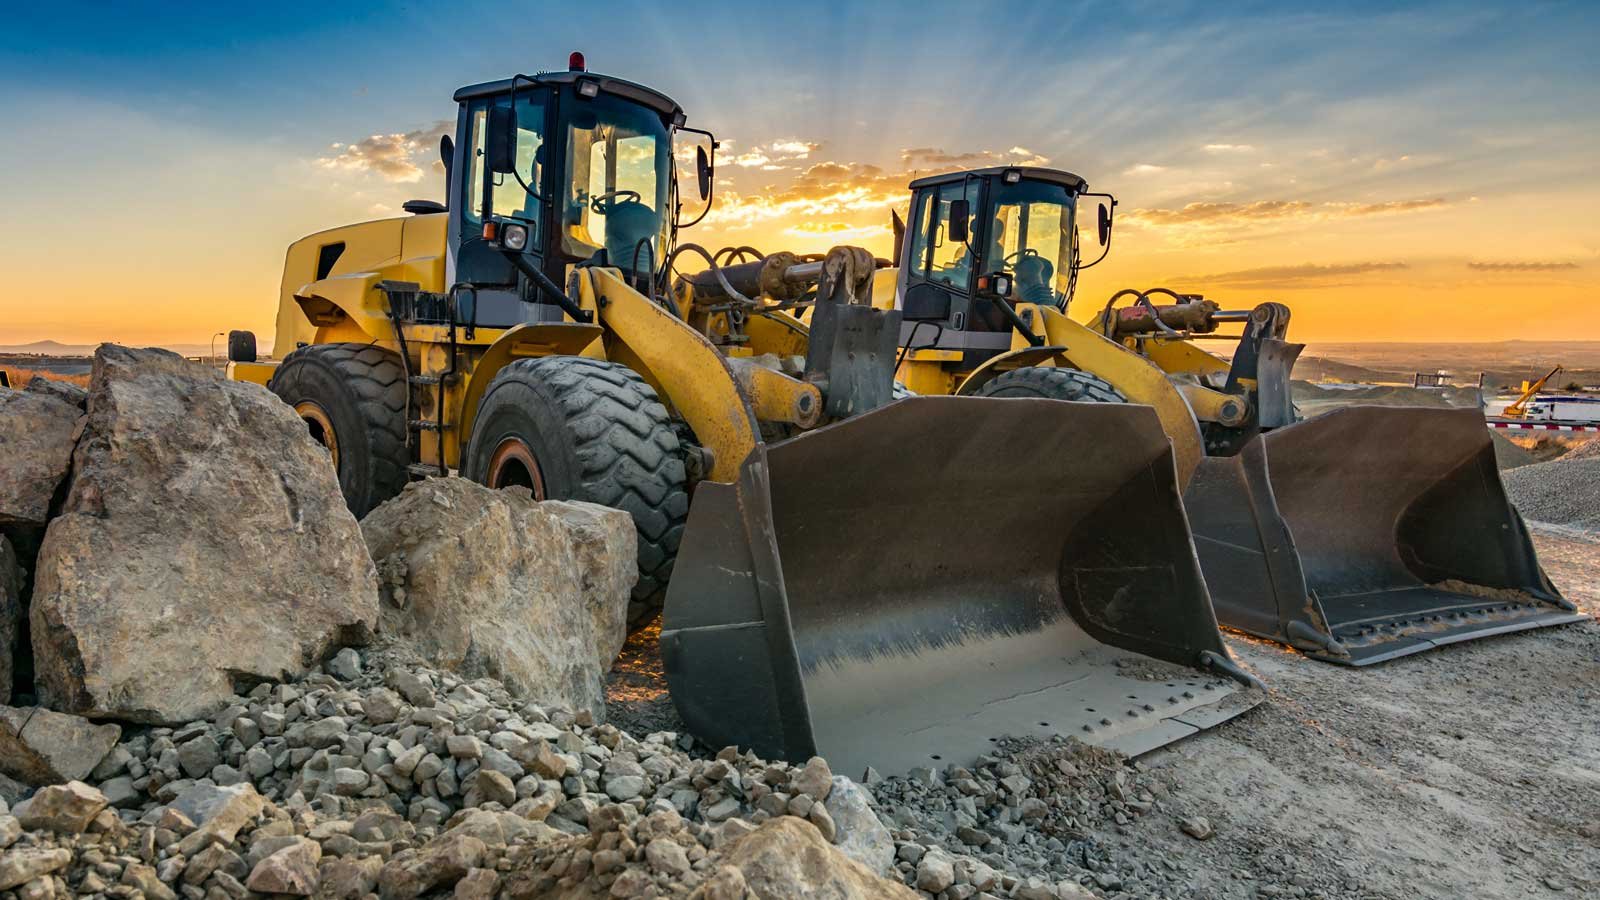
420	425
424	379
423	470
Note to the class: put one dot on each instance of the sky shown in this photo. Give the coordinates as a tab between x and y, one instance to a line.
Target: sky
1430	172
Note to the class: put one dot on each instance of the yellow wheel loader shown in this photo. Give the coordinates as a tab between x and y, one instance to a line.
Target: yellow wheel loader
1356	536
876	581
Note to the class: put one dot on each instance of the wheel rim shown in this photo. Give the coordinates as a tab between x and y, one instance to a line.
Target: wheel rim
514	465
320	426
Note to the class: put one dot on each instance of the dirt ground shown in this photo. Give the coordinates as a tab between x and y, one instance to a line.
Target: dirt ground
1469	771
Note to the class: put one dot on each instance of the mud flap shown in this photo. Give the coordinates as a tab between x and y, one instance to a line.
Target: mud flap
1368	533
904	587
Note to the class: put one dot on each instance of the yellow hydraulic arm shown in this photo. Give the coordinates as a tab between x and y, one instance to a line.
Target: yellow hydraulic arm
1519	409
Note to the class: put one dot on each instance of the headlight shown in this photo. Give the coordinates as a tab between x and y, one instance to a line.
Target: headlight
588	88
514	237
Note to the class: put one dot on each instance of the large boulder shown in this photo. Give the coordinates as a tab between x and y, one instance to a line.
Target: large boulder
606	545
204	545
37	433
10	614
38	746
494	583
788	858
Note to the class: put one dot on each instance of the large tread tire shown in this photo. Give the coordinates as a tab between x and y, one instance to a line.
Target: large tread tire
1052	383
361	390
597	433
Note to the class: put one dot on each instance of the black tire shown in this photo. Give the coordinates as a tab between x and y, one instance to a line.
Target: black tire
242	346
594	431
360	391
1052	383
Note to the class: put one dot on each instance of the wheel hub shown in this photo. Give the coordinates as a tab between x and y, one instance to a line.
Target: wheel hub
514	465
320	426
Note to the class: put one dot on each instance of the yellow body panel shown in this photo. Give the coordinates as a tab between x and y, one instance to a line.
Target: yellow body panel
405	249
255	373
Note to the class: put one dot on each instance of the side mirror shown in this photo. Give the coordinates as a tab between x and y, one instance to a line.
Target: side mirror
500	140
899	229
447	155
703	171
1105	224
960	211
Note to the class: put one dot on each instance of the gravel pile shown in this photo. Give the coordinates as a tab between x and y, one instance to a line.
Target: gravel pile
1564	492
1589	449
379	775
1028	815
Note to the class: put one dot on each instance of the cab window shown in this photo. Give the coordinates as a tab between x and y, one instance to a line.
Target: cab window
511	200
935	257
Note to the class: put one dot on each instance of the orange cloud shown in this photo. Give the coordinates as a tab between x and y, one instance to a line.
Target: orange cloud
1303	275
1521	266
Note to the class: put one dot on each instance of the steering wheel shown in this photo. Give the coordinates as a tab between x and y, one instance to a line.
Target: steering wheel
1019	255
604	203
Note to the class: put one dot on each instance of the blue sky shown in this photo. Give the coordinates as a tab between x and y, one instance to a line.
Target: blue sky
211	125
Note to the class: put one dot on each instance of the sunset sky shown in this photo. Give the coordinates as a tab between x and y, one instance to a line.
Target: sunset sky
1427	174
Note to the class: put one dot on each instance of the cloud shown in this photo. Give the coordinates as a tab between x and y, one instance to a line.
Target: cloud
1303	275
1388	206
922	158
1229	148
1521	266
393	157
793	149
842	232
1144	169
1204	214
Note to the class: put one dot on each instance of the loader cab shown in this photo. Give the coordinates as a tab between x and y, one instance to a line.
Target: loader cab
551	171
981	238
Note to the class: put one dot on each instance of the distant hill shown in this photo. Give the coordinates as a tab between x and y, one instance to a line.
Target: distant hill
56	348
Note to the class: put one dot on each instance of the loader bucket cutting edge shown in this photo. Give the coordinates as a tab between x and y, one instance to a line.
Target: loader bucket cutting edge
1369	533
904	587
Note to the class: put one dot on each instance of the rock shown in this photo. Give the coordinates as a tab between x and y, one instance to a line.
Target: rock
494	787
859	834
345	665
477	884
494	586
219	813
666	857
67	808
290	870
23	865
441	863
11	581
626	787
120	792
40	746
144	879
605	545
935	872
207	511
199	755
787	858
65	391
1197	827
348	879
10	830
37	434
815	780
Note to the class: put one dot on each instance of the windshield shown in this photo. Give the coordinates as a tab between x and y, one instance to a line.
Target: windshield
1033	238
618	153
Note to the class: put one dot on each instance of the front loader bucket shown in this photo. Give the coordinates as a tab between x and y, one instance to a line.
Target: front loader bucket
904	587
1368	533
